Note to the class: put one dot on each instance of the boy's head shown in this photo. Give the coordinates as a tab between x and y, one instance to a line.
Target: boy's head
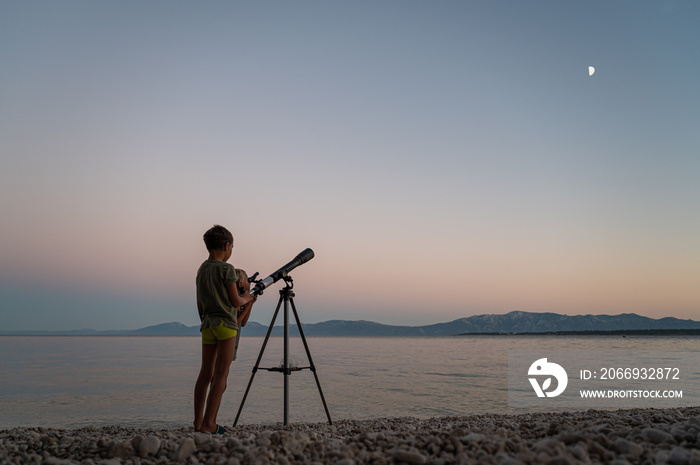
217	237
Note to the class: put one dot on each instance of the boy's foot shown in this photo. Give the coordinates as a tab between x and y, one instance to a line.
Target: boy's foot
219	430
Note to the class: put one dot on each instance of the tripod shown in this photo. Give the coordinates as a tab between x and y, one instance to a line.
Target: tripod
286	296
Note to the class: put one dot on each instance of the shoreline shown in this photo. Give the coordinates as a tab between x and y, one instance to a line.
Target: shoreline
582	333
561	438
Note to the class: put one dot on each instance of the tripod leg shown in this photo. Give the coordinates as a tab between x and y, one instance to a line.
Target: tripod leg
257	363
286	358
311	362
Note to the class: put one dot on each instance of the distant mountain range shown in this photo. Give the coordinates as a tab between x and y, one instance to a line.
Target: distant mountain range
513	322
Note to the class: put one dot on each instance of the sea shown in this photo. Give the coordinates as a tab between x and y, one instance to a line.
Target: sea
147	382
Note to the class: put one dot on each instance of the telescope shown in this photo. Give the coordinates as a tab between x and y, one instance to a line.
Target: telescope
283	272
286	297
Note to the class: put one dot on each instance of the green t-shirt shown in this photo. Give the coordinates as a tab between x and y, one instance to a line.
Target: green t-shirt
213	280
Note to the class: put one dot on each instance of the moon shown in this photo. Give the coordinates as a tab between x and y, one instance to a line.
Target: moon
591	70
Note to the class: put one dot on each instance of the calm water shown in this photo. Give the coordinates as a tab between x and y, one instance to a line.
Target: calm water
72	382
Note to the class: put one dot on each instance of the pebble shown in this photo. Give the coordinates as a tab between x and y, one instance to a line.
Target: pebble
110	462
56	461
679	456
186	448
121	449
410	457
651	436
656	435
202	439
136	441
625	447
561	460
345	461
149	446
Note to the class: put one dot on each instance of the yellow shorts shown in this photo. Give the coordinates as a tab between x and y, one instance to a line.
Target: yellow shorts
221	333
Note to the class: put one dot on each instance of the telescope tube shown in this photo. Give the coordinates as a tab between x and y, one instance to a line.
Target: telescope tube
300	259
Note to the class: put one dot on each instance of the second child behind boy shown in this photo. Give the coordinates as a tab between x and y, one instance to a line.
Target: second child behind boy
244	311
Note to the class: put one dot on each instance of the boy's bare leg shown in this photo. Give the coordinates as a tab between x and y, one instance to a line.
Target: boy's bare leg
206	373
224	356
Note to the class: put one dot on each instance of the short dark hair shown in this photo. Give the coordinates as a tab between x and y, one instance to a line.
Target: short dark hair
216	238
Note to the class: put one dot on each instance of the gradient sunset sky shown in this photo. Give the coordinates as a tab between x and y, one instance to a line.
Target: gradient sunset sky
443	159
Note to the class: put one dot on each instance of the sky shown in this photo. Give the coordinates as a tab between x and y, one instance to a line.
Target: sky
442	159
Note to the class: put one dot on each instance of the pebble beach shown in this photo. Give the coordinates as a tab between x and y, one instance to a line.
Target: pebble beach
638	436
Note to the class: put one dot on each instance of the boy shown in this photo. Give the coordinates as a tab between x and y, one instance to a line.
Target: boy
218	302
